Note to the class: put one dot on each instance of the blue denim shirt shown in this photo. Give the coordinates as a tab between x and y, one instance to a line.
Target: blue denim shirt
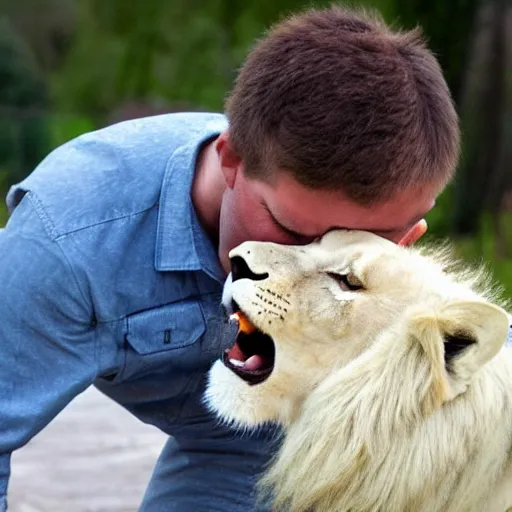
109	279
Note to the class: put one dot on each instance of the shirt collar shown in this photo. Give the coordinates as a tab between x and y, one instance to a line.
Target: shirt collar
181	241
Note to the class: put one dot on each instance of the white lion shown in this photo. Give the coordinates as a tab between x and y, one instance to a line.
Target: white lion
387	370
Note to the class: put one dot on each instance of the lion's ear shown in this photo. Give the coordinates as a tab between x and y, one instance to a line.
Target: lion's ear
460	338
473	333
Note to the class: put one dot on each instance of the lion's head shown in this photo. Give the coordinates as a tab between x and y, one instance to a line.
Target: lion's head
376	360
317	308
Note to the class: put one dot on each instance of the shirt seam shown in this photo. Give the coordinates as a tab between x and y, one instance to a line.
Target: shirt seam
125	317
51	230
97	344
43	215
99	223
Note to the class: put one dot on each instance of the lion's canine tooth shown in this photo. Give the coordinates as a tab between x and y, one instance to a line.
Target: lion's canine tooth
245	325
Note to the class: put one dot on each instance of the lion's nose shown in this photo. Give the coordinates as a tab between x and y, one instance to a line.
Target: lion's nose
240	270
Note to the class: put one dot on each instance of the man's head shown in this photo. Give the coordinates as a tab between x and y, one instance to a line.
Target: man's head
335	104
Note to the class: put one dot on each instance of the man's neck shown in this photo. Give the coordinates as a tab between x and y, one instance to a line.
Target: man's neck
207	190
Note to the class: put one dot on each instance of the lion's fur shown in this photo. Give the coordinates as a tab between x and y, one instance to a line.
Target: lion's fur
374	418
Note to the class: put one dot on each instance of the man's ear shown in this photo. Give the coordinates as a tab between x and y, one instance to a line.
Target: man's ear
415	233
229	160
459	339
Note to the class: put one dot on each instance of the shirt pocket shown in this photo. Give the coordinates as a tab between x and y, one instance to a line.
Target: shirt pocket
163	339
170	327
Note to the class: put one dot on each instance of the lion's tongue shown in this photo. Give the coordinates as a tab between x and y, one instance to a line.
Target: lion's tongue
252	364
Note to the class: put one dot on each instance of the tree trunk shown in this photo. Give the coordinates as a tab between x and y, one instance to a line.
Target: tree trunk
482	114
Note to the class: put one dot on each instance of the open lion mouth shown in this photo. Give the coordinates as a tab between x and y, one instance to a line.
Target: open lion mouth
253	354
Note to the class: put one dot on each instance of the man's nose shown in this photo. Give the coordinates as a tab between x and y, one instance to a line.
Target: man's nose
241	270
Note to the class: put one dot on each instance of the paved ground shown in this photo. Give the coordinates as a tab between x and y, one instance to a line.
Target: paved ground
94	457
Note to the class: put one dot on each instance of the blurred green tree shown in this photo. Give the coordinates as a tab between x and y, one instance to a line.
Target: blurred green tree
448	27
182	53
46	27
23	107
486	112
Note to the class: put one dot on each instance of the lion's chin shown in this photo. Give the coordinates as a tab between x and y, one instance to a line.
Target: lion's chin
238	391
233	401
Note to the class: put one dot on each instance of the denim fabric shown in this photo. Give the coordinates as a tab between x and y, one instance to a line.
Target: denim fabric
109	280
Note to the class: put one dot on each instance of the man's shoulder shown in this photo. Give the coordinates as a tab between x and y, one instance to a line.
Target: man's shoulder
111	173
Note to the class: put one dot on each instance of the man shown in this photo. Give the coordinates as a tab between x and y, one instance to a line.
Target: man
117	247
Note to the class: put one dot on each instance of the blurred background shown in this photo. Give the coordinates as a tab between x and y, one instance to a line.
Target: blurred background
70	66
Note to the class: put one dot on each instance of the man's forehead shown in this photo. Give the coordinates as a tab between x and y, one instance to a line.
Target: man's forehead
318	212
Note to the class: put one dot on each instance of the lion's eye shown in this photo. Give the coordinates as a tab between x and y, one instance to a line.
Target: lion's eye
348	282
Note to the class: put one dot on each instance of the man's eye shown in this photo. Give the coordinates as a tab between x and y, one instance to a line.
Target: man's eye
300	239
347	282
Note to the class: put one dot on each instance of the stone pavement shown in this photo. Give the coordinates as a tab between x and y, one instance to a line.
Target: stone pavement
94	457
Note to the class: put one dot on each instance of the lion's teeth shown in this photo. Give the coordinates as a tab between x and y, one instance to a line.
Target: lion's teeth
236	362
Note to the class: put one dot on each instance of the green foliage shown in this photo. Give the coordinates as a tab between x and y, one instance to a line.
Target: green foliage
448	28
482	249
484	173
64	128
438	218
184	51
21	85
23	100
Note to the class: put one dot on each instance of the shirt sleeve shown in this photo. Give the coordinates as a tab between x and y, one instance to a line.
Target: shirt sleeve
47	352
5	466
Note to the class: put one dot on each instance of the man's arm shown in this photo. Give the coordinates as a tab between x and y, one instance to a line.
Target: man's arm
47	352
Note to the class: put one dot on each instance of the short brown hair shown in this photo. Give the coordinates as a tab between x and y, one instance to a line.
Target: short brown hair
342	102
